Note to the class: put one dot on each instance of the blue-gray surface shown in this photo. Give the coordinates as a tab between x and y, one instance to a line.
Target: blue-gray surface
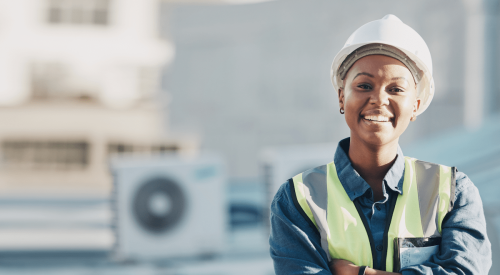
246	252
222	266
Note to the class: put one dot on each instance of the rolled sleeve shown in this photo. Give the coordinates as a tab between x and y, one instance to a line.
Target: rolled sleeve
465	248
295	245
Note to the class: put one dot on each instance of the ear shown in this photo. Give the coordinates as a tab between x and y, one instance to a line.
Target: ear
341	97
416	106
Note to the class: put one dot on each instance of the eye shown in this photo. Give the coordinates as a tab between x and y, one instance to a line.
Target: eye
396	90
364	86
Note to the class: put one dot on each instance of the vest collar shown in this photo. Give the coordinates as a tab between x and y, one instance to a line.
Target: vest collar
354	185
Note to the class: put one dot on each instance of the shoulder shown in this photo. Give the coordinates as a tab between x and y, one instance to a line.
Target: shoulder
283	199
465	188
463	182
285	206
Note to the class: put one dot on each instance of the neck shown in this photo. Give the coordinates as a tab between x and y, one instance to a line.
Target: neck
372	162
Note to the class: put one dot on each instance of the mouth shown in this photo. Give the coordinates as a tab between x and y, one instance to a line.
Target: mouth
377	118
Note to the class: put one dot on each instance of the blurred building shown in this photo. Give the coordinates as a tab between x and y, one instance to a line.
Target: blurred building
79	80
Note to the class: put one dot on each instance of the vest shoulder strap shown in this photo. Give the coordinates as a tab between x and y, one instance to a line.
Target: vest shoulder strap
311	199
308	217
436	194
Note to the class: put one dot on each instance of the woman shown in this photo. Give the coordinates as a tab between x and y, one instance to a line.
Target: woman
372	210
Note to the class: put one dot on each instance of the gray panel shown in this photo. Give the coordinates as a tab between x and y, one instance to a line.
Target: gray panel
428	195
315	180
452	187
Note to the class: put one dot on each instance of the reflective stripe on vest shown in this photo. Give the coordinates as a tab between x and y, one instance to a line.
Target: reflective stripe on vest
428	191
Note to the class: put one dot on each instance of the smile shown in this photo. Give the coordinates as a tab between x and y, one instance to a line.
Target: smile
378	118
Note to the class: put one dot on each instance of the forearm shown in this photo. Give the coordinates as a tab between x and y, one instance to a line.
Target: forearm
343	267
371	271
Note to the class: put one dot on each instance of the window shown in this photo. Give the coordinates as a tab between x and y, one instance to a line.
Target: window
121	148
47	80
78	12
59	155
58	81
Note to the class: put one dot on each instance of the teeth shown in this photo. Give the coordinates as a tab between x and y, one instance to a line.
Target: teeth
377	118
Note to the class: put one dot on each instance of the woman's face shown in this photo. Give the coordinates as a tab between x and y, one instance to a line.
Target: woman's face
379	99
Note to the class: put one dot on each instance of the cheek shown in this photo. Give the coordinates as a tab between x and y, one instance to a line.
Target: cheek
353	105
404	108
351	100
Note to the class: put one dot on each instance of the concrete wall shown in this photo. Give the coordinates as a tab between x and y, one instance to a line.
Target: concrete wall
249	76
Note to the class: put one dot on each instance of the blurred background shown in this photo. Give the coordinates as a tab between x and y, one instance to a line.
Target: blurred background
149	137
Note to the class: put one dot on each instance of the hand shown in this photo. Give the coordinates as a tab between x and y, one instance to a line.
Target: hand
343	267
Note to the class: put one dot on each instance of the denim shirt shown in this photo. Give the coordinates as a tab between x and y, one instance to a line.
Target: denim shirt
465	248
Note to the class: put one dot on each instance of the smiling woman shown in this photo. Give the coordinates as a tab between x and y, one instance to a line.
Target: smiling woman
378	96
379	103
373	210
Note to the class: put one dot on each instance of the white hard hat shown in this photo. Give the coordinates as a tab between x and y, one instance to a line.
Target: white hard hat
391	31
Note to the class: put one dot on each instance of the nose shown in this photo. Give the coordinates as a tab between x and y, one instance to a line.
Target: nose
379	97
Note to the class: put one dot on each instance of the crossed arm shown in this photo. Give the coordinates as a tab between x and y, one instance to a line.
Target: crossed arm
296	248
343	267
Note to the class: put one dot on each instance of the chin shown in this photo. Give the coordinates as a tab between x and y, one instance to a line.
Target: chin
374	135
378	138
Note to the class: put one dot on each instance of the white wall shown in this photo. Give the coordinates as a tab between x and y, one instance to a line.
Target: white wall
104	59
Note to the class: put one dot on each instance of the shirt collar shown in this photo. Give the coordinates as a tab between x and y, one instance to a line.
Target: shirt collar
354	184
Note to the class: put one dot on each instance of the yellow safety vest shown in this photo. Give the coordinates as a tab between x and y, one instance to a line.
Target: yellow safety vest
428	191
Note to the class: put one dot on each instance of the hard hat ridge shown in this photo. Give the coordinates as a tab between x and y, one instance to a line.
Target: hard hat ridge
391	17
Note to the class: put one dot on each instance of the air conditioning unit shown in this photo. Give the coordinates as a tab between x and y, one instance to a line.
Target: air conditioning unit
168	207
281	163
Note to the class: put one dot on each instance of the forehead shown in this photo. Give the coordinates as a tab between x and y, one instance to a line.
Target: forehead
380	66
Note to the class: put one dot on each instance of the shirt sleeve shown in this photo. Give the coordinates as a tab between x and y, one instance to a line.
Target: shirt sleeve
465	248
295	245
